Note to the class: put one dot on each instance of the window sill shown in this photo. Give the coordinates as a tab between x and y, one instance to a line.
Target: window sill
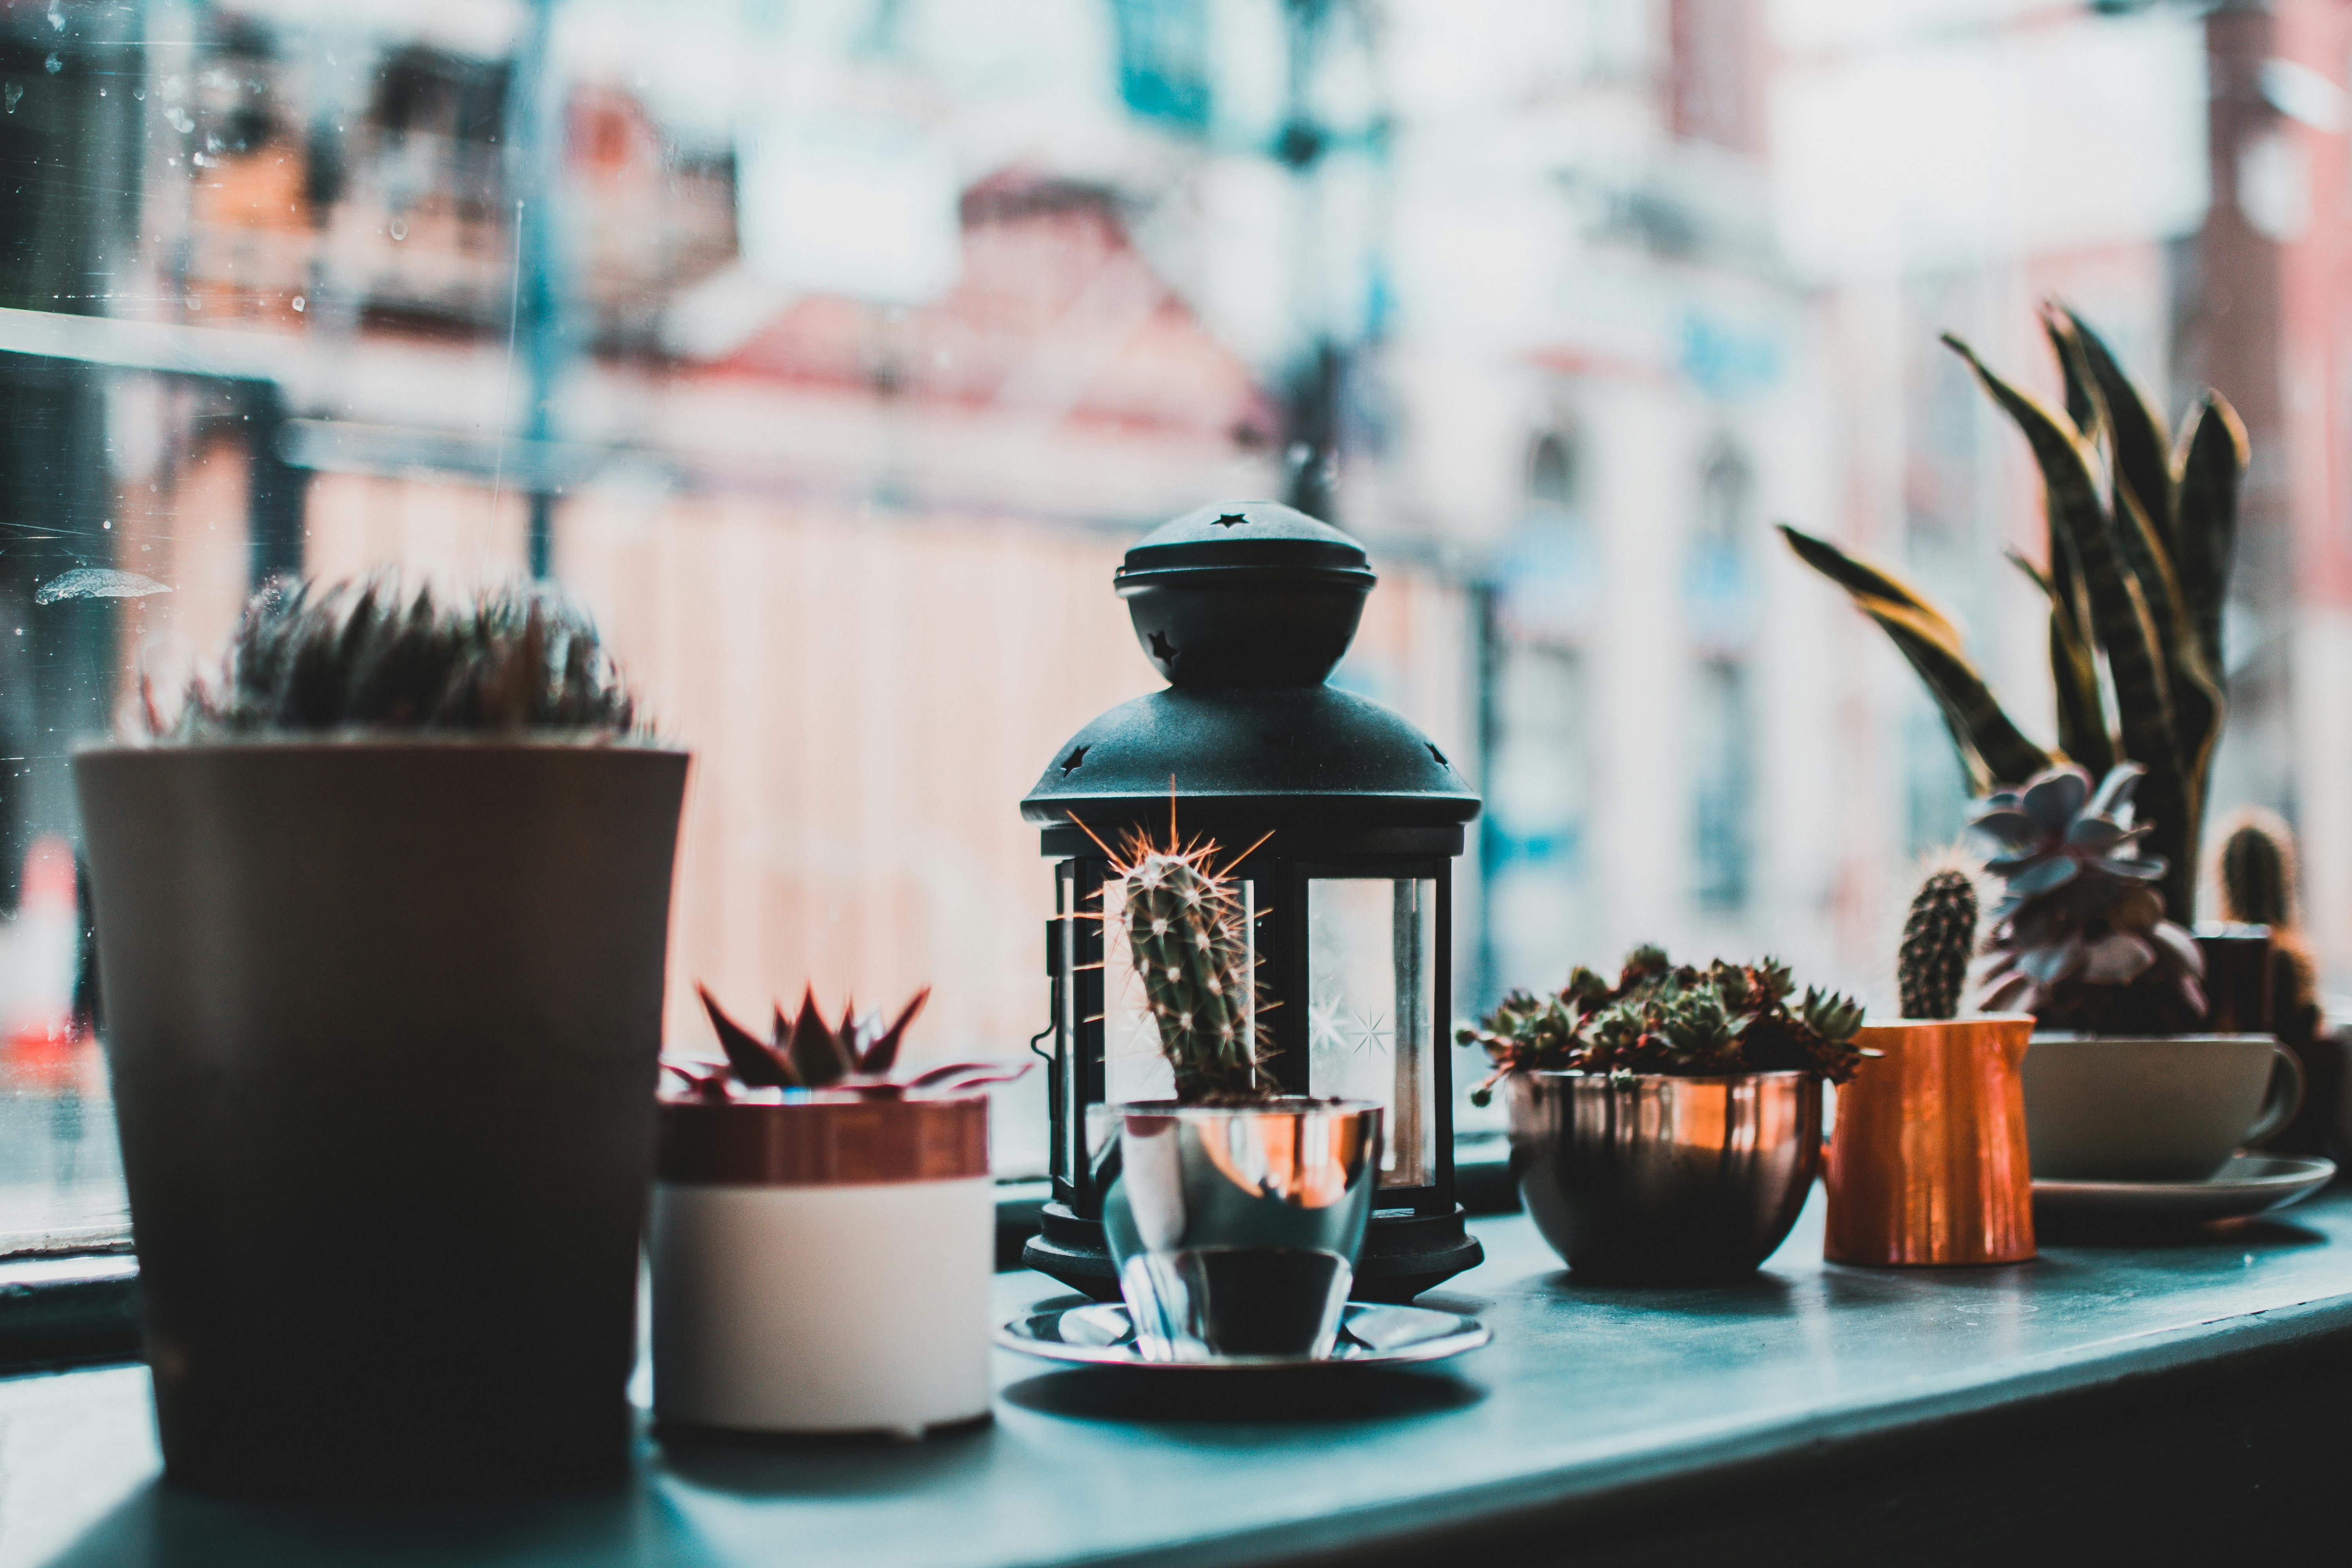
79	1308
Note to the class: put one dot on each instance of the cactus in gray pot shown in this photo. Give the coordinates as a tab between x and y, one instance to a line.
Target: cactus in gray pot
371	655
1939	936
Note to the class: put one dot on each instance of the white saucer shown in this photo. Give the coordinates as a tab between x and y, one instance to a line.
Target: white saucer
2246	1185
1370	1335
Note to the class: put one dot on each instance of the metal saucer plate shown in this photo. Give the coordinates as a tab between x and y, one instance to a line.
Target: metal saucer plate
2247	1184
1370	1335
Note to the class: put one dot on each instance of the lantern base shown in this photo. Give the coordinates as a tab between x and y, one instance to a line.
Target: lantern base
1404	1254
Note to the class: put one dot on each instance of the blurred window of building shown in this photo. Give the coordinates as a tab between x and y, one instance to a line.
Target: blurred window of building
1719	590
1721	607
1711	77
1164	61
1722	785
1537	774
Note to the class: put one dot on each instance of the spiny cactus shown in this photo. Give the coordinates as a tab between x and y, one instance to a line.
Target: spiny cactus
2140	537
860	1057
366	654
1661	1017
1187	930
2079	938
1939	936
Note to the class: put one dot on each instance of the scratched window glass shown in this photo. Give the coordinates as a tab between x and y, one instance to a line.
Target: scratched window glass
831	351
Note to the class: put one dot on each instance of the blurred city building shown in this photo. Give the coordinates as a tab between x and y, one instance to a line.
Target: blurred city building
832	352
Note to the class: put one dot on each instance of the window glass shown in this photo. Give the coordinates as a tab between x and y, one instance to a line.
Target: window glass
831	352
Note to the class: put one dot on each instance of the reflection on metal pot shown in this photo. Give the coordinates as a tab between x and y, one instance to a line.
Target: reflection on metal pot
1237	1228
1645	1176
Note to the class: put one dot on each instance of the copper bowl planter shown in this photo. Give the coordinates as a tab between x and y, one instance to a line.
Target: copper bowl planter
1650	1177
382	1017
821	1262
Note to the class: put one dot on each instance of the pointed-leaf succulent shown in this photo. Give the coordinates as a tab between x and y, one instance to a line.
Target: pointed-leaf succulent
858	1056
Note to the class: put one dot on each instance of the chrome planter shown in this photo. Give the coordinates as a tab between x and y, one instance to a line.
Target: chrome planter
1237	1228
1654	1178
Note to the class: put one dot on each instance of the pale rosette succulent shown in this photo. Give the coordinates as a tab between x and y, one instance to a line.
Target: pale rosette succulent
2080	938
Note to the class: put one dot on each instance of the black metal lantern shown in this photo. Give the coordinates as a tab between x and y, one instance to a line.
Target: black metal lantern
1247	609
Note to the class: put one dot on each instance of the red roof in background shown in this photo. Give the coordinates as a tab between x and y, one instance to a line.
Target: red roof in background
1056	311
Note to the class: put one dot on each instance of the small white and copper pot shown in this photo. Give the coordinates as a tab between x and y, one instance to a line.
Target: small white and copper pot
822	1261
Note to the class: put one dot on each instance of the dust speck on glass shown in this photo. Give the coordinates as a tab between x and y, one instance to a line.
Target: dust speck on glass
831	352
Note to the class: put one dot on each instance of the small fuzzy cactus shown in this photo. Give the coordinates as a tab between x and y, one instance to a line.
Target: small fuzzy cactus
1187	930
2260	885
2258	871
1938	938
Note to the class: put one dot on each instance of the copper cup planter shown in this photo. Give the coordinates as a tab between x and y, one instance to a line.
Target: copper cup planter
1927	1161
1650	1177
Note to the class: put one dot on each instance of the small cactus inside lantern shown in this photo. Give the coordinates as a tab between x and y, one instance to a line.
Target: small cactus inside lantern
1188	932
1938	938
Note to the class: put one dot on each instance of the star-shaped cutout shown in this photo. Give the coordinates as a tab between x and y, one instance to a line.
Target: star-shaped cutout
1161	649
1229	519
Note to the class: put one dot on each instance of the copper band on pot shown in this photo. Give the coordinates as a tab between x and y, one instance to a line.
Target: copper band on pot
821	1141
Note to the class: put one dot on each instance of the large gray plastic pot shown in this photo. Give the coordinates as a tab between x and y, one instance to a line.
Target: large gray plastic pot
382	1020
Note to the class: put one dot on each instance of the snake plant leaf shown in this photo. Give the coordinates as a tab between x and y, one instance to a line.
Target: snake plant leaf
2121	623
1858	576
2141	449
2083	730
2194	682
2205	517
1992	749
2081	403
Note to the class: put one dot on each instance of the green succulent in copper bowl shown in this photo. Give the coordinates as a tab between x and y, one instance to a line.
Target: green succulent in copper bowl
1675	1020
2080	938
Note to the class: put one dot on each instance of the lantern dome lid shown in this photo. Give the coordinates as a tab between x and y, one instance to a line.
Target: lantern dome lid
1233	539
1301	753
1246	607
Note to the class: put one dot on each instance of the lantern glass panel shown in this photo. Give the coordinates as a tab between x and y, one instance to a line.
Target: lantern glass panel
1370	948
